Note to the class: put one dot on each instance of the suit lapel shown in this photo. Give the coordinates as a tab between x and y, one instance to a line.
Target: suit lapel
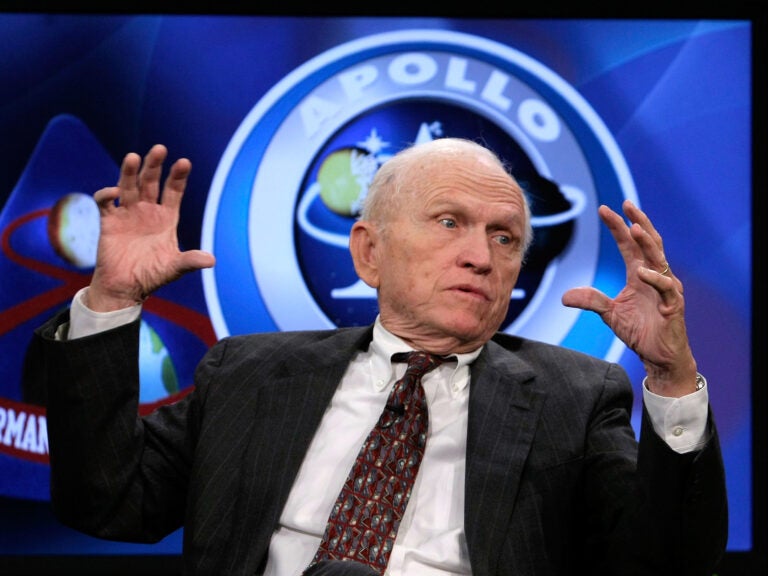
287	412
504	408
304	382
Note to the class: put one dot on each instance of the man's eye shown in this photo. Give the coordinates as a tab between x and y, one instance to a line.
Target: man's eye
503	239
448	222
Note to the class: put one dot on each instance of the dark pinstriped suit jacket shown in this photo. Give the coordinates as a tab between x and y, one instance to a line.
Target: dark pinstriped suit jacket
553	484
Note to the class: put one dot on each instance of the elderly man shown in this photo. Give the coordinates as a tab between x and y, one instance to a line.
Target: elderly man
318	452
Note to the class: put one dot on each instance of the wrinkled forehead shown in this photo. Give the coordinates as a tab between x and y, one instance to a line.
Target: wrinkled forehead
475	170
420	172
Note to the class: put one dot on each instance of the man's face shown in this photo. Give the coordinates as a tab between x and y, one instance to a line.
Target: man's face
449	259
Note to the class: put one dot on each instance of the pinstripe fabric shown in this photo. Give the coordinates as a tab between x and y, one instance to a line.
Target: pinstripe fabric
552	478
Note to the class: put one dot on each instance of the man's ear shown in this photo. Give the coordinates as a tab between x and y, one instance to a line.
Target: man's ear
363	245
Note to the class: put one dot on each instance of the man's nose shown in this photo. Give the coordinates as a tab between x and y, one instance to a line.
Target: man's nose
476	251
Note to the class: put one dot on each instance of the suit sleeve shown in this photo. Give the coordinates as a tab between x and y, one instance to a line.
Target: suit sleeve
688	503
113	474
664	515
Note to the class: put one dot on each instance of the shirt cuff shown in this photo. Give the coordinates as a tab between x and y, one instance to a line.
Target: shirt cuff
83	321
681	422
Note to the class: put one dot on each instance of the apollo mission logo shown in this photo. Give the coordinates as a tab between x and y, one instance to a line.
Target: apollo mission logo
289	185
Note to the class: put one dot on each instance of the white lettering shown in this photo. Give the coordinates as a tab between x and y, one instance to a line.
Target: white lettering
354	82
42	435
24	431
28	441
455	78
534	116
314	111
539	120
14	427
412	68
492	92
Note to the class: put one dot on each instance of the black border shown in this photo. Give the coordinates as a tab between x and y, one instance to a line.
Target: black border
752	563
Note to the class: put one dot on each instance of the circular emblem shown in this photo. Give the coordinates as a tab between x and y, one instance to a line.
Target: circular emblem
288	187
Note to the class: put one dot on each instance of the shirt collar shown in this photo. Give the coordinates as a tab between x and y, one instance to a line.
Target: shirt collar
385	344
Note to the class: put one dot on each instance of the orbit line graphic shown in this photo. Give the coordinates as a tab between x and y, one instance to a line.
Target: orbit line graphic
190	320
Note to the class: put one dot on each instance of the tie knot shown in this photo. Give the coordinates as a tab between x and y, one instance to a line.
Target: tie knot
419	363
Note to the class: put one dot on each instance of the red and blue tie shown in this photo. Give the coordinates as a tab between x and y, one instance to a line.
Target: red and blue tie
364	520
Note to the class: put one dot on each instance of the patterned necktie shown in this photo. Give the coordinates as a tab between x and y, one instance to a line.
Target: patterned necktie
364	521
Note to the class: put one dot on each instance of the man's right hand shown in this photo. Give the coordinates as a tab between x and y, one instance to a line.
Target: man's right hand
138	249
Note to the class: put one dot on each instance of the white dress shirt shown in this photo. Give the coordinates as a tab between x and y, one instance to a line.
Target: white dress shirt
430	540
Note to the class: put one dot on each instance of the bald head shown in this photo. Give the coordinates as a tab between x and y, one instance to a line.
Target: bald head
406	171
